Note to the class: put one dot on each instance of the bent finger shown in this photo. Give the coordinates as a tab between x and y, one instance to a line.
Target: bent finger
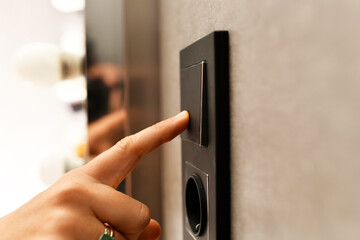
127	215
151	232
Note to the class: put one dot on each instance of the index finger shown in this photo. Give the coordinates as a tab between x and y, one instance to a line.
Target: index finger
113	165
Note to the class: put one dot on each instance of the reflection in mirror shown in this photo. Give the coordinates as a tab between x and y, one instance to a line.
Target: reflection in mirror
105	75
119	80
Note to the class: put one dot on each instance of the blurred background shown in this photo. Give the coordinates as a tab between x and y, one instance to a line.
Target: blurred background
66	95
39	130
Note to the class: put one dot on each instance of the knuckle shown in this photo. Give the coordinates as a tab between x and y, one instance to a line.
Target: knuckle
144	216
126	147
158	128
124	144
70	192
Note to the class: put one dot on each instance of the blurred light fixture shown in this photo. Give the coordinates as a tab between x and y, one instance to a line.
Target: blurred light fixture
71	91
68	5
46	64
73	42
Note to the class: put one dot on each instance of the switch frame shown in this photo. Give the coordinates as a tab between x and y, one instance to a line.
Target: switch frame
213	158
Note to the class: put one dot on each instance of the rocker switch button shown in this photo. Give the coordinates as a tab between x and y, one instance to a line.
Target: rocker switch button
193	99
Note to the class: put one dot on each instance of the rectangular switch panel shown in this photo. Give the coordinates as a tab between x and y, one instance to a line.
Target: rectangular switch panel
193	80
204	81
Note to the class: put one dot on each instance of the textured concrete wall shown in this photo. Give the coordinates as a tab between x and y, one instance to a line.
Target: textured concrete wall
295	114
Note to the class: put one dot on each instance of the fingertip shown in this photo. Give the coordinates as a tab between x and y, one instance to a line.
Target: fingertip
182	115
183	119
152	231
155	228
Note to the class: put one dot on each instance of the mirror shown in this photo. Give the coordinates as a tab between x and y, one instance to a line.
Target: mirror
122	48
105	75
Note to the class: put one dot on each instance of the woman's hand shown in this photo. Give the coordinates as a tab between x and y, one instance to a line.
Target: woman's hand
79	203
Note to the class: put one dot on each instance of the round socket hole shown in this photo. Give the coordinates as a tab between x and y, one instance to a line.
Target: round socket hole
195	201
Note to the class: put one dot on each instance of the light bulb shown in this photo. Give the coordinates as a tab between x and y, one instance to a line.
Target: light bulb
46	64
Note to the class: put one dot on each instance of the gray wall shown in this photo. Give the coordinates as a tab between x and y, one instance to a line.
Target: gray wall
295	114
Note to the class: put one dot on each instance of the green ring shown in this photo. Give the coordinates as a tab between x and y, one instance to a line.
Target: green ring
106	236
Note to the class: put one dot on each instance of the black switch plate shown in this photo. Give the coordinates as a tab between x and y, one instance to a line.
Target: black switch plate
206	143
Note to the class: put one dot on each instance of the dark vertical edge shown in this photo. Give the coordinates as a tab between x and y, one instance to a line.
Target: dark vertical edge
182	155
223	181
204	123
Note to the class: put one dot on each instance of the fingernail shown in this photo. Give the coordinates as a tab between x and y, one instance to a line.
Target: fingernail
182	115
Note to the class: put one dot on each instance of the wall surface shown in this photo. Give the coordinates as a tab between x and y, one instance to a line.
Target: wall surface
295	114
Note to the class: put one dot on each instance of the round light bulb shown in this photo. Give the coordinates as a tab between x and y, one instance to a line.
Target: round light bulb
39	63
46	64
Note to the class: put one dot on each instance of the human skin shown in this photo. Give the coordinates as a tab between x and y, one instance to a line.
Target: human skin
78	204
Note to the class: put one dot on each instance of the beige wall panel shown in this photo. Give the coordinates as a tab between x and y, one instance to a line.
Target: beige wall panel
295	114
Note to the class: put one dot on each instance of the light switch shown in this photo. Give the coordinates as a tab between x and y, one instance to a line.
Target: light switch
193	99
205	145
